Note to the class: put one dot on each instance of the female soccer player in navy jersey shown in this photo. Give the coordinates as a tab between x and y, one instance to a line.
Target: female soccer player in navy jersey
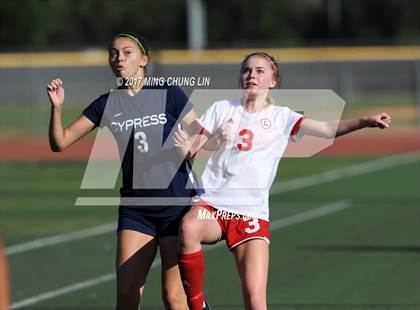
237	177
140	123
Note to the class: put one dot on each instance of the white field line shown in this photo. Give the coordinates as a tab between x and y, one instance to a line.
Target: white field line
281	223
58	239
309	215
345	172
311	180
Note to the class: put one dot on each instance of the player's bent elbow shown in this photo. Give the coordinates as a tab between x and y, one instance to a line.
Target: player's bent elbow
59	144
57	148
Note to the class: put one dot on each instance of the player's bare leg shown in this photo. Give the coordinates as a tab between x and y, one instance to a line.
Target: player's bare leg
135	255
172	291
193	231
252	262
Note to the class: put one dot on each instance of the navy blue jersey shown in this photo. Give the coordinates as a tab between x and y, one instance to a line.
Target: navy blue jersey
142	126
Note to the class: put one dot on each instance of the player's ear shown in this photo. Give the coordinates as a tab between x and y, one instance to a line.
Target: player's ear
144	61
273	83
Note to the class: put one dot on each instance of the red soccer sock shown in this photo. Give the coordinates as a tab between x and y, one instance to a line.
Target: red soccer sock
191	267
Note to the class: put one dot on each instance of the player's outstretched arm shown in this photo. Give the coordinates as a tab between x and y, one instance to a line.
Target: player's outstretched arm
381	120
61	138
328	129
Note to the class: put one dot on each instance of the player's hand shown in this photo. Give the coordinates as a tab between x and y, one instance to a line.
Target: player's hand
223	135
381	120
55	92
182	141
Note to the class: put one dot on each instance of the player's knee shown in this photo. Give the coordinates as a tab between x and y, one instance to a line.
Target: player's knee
190	232
126	290
127	287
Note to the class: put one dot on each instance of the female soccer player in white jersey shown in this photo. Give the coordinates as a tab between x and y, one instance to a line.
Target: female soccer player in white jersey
141	229
237	178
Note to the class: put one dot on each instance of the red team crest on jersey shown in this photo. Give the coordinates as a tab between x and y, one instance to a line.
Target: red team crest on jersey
265	123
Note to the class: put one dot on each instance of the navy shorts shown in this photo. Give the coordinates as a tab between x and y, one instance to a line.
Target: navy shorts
156	224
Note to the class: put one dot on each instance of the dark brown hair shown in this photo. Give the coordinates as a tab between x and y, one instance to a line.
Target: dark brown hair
141	41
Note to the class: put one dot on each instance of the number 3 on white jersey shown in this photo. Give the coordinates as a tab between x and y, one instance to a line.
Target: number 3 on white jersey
246	143
253	226
143	147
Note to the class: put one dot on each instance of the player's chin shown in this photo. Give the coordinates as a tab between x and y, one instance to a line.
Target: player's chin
121	73
250	89
253	91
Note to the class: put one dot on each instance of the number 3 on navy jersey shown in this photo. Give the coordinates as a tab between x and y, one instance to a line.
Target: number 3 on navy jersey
246	143
143	147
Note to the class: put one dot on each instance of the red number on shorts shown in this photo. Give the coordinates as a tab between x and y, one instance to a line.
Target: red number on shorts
247	136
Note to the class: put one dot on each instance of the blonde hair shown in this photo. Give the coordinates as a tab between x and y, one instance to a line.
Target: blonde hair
274	66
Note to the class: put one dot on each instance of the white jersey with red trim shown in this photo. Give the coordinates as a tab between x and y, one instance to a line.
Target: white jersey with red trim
237	177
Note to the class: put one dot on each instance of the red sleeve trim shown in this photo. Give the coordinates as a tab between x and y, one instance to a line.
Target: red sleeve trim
296	127
196	128
201	130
